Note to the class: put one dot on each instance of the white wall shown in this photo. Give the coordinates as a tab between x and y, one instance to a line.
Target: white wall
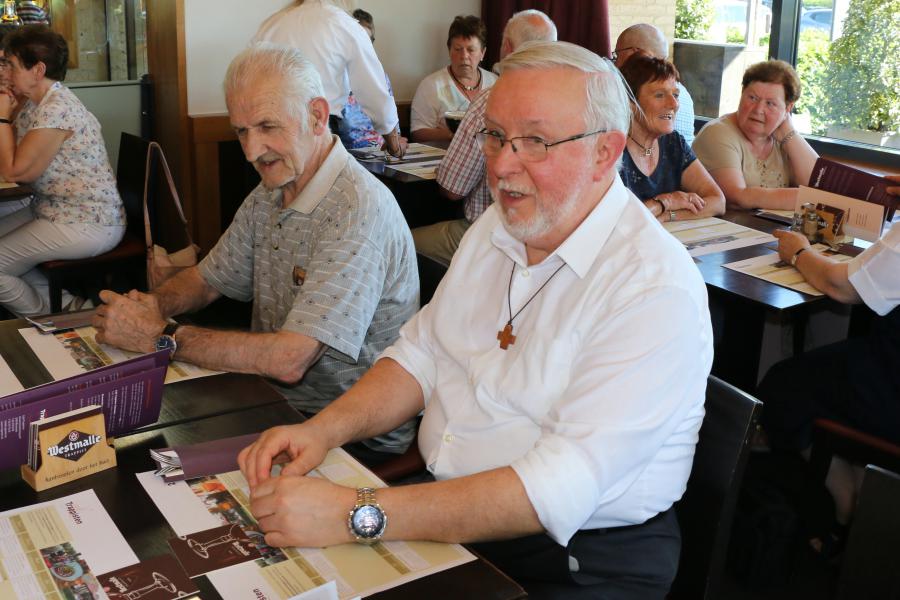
410	38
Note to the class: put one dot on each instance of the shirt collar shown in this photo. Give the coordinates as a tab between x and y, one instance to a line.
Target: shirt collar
322	182
581	248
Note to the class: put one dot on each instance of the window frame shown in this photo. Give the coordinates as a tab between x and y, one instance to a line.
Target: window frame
783	41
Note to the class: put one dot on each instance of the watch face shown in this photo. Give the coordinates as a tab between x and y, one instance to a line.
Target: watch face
367	521
165	342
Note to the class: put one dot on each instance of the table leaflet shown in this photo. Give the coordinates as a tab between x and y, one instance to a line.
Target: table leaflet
769	267
74	351
213	511
706	236
60	549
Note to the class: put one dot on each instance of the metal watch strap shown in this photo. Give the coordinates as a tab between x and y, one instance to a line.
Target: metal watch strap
365	503
364	496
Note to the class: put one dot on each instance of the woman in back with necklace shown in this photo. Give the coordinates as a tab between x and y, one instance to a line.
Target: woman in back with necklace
452	88
658	165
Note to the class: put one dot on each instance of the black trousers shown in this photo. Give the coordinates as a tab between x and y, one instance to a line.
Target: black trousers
855	382
637	562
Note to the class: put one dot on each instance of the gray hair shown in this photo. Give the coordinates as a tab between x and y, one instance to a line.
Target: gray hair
300	82
529	26
345	5
607	101
646	37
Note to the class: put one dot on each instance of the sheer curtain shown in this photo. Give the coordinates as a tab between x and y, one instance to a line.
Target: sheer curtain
582	22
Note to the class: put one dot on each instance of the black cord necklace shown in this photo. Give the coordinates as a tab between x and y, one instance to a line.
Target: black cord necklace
468	88
505	335
648	150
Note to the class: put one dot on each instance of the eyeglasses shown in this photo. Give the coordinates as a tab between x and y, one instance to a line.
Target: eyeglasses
527	148
615	53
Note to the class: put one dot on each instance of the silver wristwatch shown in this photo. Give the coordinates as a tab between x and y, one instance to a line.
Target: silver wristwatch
367	519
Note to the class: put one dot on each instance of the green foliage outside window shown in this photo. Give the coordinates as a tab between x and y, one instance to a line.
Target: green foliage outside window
812	63
733	35
693	18
861	84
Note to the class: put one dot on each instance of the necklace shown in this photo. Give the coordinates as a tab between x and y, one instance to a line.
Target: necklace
505	335
468	88
648	150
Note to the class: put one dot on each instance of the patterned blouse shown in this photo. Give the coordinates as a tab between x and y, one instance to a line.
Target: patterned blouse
78	185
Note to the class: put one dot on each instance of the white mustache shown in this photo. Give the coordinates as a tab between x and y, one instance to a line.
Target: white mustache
505	186
267	158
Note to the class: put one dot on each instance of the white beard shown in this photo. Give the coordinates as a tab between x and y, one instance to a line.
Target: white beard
543	220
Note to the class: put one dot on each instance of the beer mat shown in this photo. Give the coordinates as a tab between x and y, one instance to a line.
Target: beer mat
158	578
216	548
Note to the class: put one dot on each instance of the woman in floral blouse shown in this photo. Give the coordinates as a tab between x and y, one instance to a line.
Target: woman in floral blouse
55	145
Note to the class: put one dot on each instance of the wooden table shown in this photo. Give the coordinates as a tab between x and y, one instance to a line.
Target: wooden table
19	191
182	401
147	532
748	302
419	199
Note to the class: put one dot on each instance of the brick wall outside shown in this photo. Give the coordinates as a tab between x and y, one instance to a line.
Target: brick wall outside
623	13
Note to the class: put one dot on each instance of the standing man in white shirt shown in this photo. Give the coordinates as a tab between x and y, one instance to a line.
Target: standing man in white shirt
651	40
561	366
341	51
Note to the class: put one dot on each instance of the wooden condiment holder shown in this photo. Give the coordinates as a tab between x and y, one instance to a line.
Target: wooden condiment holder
55	469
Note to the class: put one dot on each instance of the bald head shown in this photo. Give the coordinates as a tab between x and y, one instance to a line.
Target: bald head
642	36
526	26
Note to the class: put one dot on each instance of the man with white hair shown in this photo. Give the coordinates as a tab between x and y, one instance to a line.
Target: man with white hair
340	49
648	38
561	366
461	174
320	248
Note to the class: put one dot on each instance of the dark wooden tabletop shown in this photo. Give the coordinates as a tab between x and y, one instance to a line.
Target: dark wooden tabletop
147	531
384	171
734	284
8	194
182	401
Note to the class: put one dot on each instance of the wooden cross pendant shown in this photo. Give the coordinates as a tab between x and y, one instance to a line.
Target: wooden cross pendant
506	337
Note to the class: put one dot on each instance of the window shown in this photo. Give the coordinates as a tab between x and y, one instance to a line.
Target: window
847	53
106	38
848	57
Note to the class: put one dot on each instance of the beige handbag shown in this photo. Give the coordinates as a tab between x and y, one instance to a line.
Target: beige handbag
161	265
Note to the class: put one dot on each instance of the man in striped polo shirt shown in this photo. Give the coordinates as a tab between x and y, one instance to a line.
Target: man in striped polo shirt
320	247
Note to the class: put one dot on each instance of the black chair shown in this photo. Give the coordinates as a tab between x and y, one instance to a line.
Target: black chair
871	564
706	510
127	258
430	274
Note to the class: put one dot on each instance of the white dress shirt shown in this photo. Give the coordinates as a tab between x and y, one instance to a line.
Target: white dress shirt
597	404
342	53
875	273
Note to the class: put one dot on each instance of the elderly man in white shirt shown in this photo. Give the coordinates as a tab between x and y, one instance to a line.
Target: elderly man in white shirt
342	53
561	366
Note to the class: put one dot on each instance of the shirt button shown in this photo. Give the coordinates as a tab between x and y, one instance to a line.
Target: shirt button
274	246
526	273
448	438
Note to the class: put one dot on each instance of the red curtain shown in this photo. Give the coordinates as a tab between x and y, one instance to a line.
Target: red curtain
582	22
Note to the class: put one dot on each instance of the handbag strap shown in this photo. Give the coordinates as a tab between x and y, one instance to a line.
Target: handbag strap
148	234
